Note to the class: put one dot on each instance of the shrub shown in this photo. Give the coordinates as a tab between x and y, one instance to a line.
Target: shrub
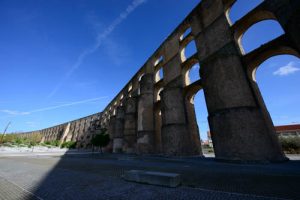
51	143
8	144
69	145
19	141
55	143
290	144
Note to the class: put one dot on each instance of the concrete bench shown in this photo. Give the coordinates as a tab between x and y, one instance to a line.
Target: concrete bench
153	178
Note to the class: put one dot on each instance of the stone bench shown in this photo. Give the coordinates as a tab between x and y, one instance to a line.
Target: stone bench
153	178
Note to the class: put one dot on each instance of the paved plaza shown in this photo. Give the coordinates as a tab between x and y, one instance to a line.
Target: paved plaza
85	175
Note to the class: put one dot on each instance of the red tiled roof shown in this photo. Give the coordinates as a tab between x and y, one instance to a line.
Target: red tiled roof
292	127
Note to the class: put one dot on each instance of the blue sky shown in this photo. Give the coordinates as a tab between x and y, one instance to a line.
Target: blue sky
61	60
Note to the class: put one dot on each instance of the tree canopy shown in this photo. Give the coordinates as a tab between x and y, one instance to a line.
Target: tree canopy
101	139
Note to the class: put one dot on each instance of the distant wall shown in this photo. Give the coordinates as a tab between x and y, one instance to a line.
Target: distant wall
79	130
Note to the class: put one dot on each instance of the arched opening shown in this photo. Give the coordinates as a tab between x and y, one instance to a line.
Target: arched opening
157	94
186	33
256	35
159	61
201	115
139	80
130	87
129	90
278	80
197	119
140	77
159	75
240	9
121	99
188	51
192	74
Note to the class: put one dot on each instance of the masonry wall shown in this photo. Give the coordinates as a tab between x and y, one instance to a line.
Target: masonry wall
80	131
154	112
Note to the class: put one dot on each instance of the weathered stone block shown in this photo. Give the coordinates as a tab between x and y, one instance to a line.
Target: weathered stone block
235	131
225	83
145	142
153	178
209	41
171	46
176	140
117	145
210	11
173	106
172	69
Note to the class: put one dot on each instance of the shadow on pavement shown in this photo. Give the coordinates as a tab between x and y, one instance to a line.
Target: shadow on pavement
84	175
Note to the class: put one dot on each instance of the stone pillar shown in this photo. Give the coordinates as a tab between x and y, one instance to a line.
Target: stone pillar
240	131
157	136
130	125
66	132
145	115
193	126
176	138
111	132
119	130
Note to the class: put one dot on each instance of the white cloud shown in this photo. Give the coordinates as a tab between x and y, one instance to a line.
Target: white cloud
290	68
15	112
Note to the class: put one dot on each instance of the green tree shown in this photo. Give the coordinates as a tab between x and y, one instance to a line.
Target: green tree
101	140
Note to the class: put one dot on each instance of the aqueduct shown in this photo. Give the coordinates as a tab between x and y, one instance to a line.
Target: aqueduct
154	112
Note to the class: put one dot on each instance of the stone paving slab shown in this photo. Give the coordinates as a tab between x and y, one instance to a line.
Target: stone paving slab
9	190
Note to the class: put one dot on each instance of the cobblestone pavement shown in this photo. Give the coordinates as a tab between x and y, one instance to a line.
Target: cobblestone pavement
87	176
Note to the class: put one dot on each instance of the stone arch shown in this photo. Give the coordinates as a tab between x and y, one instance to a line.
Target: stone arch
252	18
190	92
158	68
157	94
129	89
188	49
192	64
257	87
279	46
140	76
232	5
269	54
158	74
159	60
239	35
114	111
185	31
